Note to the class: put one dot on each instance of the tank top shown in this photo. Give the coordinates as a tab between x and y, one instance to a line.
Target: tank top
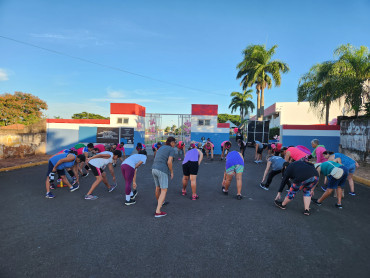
234	158
192	155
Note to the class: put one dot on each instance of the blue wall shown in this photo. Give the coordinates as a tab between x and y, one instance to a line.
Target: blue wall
216	139
59	139
87	134
331	143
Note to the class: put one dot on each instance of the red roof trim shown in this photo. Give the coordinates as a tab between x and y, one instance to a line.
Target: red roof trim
223	125
79	121
204	109
312	127
127	109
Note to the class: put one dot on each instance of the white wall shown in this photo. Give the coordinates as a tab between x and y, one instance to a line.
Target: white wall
212	128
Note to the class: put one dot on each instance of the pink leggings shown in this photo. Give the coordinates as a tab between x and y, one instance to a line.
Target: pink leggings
128	174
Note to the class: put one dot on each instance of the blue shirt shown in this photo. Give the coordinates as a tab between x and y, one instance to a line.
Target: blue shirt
54	160
346	161
276	163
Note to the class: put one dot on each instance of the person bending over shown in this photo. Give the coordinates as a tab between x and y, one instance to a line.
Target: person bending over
234	167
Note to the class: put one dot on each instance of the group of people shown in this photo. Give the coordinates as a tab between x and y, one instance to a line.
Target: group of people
298	173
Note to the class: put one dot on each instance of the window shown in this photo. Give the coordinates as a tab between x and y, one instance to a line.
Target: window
200	122
207	122
122	121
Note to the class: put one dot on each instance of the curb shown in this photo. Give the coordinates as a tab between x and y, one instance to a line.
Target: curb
23	166
361	180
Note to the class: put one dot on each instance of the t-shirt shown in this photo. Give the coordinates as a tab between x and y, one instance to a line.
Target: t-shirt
327	167
102	162
192	155
54	160
82	150
298	171
234	158
179	145
79	145
346	161
260	145
119	148
319	156
134	159
296	154
276	163
100	147
161	158
210	146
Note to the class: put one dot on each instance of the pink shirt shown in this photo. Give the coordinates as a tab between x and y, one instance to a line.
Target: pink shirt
222	144
100	147
296	154
209	147
319	156
119	148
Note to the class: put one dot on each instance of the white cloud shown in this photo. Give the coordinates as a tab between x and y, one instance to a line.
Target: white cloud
3	75
115	94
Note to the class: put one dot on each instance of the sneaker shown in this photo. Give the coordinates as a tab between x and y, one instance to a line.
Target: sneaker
280	204
165	203
91	197
112	187
194	197
316	202
74	188
338	206
52	186
352	193
49	195
256	161
222	158
239	197
74	182
225	192
323	188
183	192
161	214
134	194
263	186
260	161
306	212
179	159
85	175
131	202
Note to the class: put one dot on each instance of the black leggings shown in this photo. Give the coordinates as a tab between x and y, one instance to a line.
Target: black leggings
271	175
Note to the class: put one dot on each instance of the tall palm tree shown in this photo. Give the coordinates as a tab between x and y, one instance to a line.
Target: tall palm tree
240	101
353	67
318	86
258	69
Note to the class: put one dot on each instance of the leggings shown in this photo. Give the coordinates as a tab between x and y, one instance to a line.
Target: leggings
128	174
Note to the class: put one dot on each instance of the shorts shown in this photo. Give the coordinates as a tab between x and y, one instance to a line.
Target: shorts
154	150
50	169
260	150
352	168
160	178
334	183
190	168
306	187
96	171
235	169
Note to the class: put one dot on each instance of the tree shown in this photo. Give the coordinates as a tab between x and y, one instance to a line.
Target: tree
20	108
86	115
353	68
257	69
167	129
173	128
241	102
318	87
223	118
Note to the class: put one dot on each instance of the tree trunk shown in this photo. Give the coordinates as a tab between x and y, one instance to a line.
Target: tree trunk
327	108
262	105
258	104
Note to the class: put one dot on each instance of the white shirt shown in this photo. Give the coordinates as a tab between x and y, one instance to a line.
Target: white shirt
134	159
101	162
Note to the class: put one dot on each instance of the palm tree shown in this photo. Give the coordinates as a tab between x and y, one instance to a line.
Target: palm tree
353	67
258	69
240	101
318	86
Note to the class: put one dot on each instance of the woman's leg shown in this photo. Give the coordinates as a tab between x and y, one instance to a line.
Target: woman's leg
95	184
193	182
326	195
351	183
239	183
228	179
161	198
185	180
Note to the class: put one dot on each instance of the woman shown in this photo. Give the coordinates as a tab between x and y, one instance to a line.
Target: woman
276	164
208	147
190	167
346	161
318	151
292	154
242	146
181	149
128	169
155	147
225	147
234	166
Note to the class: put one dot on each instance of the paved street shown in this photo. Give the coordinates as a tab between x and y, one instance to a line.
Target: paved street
215	236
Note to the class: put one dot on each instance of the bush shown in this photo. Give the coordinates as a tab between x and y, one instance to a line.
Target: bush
274	131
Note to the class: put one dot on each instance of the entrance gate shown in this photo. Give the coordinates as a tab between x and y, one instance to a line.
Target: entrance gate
154	131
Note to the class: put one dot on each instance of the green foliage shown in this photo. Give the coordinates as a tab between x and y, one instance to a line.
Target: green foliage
240	101
167	129
223	118
20	108
273	132
367	109
86	115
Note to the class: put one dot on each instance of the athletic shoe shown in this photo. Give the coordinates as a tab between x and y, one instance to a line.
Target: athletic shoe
352	193
323	188
85	175
161	214
316	202
306	212
183	192
49	195
74	182
74	188
256	161
165	203
91	197
194	197
239	197
131	202
134	194
52	186
222	158
179	159
112	187
279	204
263	186
225	192
338	206
260	161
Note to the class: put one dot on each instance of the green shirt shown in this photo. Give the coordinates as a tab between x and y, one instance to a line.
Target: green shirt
327	167
79	145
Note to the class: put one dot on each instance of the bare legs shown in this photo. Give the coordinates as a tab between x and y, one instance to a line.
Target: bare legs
160	195
193	183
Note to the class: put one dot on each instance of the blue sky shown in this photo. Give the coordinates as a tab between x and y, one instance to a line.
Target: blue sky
196	44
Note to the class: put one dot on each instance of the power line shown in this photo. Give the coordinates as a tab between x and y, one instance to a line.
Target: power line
108	66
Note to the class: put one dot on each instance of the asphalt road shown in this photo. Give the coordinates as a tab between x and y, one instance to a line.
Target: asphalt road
215	236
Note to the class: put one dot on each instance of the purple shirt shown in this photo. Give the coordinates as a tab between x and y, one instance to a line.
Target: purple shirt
192	155
234	158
